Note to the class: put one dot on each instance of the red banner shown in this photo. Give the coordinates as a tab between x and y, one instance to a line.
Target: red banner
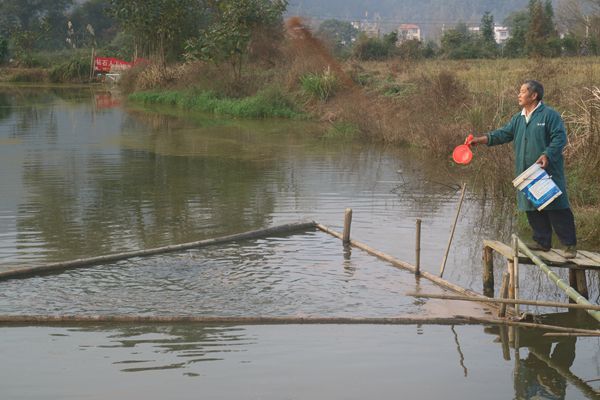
110	65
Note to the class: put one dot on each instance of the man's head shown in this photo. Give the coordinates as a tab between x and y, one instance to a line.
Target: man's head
531	93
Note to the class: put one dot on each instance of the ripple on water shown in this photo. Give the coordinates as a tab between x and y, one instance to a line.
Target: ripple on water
305	274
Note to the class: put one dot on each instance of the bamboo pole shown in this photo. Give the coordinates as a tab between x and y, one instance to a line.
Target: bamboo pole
255	320
462	196
20	272
347	224
32	320
567	334
507	301
569	291
418	248
515	260
508	322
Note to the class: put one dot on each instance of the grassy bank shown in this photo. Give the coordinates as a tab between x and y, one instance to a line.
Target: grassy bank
269	103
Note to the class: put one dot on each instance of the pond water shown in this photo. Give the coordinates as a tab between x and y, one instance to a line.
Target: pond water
83	174
289	362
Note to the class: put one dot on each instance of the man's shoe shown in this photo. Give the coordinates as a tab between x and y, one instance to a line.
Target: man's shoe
570	252
537	247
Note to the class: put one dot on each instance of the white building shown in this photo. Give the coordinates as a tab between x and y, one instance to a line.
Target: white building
408	32
501	33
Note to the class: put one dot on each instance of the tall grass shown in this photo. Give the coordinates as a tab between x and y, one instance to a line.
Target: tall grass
321	86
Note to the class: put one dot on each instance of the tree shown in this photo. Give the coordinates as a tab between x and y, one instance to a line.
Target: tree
339	34
160	27
541	38
236	28
34	23
518	22
459	43
488	40
95	14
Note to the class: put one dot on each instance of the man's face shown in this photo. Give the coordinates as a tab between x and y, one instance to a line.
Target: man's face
526	98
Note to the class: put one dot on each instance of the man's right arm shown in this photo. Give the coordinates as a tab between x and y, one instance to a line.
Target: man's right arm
499	136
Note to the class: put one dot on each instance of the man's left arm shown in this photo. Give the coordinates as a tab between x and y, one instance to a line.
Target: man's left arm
558	139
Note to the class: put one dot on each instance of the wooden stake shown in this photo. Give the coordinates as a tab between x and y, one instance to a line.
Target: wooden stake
347	223
462	196
582	287
418	248
488	271
504	294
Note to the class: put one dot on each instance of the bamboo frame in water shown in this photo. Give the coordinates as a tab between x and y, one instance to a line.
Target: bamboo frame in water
21	272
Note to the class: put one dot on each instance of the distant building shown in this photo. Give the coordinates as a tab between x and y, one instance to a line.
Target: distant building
371	29
501	33
408	32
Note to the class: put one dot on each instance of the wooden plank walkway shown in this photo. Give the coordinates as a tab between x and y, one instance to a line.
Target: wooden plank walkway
555	258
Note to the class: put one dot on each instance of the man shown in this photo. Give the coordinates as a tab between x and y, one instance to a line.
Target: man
538	136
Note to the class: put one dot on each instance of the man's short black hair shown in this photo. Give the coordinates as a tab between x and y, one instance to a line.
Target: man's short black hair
535	87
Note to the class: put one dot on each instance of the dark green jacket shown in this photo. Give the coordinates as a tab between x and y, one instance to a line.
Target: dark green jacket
544	134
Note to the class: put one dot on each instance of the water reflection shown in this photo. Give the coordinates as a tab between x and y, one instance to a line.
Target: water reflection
182	345
544	370
297	361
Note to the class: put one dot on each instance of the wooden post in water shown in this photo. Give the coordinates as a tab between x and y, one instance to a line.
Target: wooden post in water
515	247
578	280
511	279
488	271
582	283
504	293
347	223
418	249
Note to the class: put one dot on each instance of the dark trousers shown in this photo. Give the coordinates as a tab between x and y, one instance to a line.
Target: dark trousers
562	221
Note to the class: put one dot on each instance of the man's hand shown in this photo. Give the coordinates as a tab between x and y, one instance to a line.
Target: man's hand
479	140
543	161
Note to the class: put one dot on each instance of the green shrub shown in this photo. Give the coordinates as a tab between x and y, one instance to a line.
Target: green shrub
321	86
